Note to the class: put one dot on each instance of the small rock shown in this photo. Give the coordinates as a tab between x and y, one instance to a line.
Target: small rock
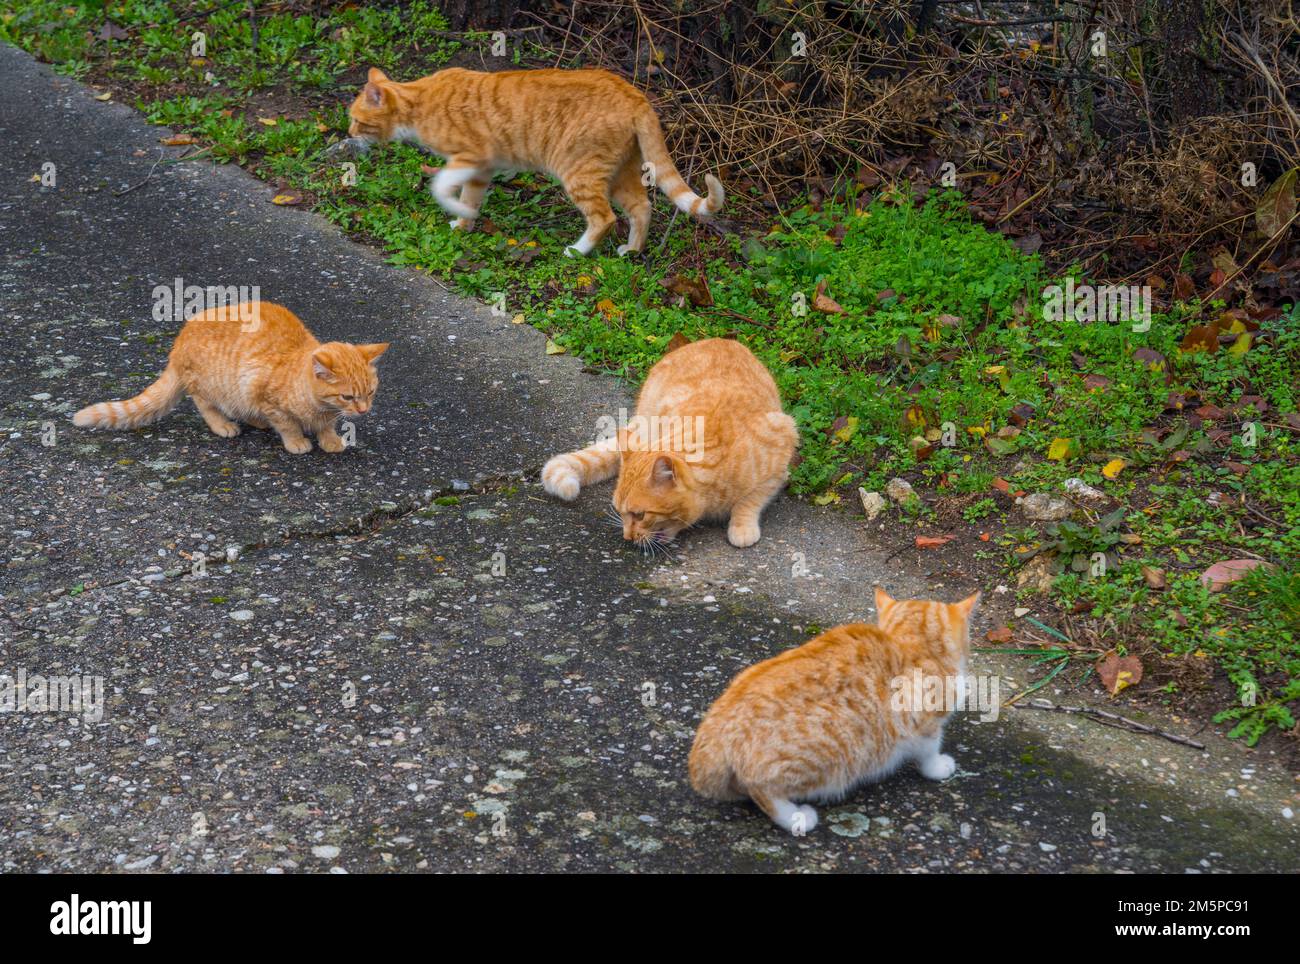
1041	507
140	864
325	851
1084	494
873	503
1046	848
242	615
232	553
900	490
1037	575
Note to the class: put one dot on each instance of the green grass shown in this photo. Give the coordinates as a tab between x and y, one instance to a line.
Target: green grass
941	366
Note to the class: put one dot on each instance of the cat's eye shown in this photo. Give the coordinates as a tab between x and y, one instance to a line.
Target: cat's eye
348	398
638	516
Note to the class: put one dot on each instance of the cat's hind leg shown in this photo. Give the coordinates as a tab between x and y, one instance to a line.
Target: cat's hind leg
471	195
743	527
588	189
790	817
630	195
452	180
933	764
218	422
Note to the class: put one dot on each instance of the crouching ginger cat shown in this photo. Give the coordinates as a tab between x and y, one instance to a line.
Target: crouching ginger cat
815	721
592	130
709	441
254	363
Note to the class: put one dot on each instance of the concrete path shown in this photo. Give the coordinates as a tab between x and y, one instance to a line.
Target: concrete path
415	660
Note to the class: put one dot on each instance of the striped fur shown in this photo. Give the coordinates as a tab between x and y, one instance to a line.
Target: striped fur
817	720
149	406
589	128
564	475
254	363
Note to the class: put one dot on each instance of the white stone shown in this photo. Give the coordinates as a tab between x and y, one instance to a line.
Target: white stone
873	503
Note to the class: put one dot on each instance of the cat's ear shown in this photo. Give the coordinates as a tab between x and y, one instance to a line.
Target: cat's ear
665	471
373	90
883	601
967	606
320	366
371	352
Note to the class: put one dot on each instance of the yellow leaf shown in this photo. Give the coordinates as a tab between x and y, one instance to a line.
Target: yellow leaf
553	349
268	121
609	309
1003	376
1113	468
1060	449
517	319
979	431
1241	345
826	498
107	95
846	433
286	199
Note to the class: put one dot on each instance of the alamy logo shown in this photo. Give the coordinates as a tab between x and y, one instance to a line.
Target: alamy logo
53	694
181	302
1088	303
928	693
682	435
73	917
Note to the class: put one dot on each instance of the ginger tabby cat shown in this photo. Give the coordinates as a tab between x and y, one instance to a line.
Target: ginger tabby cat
254	363
817	720
709	441
590	129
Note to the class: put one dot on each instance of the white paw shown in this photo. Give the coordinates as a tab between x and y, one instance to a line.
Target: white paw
938	767
461	224
572	252
229	430
559	479
742	534
625	249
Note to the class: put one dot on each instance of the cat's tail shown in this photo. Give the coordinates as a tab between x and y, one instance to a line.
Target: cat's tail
650	137
149	406
710	772
564	475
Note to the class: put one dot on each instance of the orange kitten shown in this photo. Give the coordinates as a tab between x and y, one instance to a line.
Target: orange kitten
592	130
709	440
254	363
819	719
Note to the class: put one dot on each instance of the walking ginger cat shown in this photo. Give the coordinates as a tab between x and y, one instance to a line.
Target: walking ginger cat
589	128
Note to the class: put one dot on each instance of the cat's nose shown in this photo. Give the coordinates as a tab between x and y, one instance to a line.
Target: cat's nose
363	407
